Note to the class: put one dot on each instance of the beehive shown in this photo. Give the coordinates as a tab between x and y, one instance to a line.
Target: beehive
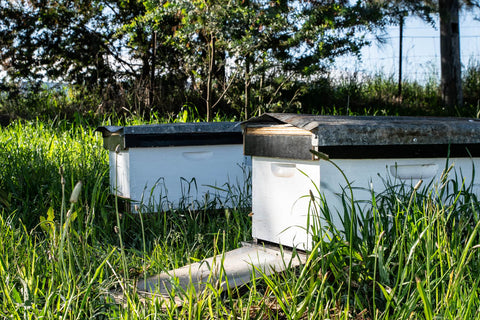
164	166
367	149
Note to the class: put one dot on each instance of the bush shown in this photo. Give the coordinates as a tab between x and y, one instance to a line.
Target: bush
324	94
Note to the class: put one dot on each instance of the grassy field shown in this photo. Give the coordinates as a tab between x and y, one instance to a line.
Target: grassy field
63	249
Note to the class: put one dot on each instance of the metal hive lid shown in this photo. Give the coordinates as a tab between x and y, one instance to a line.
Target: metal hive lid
173	134
173	128
377	130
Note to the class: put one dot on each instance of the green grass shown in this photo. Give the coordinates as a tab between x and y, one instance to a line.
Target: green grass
415	254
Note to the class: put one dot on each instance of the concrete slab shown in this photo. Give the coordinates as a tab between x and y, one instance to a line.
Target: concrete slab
231	269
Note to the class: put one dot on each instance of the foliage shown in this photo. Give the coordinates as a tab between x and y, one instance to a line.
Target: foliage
348	94
57	40
394	10
210	53
261	42
471	87
222	56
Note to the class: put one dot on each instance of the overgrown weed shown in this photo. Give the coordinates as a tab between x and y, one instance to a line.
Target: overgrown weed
354	93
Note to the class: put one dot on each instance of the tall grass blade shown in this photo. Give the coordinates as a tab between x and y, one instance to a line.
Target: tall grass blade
427	306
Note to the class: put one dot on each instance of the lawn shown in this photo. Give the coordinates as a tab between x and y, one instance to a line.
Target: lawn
414	255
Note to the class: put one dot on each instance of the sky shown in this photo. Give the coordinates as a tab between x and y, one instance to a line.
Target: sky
421	50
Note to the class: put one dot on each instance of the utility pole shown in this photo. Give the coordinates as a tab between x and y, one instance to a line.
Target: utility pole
450	54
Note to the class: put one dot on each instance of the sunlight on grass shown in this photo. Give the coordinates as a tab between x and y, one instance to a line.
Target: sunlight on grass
412	253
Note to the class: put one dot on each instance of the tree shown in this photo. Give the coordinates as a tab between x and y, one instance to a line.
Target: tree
451	80
199	38
448	11
238	54
274	42
100	44
148	50
63	40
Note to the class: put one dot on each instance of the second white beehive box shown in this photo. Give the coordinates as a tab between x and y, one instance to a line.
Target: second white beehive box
367	149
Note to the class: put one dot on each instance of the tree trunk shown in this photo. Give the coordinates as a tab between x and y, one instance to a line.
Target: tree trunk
247	85
211	67
152	71
400	57
450	52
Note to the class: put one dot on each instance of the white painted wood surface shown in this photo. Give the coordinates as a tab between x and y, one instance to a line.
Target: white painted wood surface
120	173
281	188
168	177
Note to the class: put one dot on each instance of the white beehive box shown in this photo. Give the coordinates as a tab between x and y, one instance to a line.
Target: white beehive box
165	166
367	149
